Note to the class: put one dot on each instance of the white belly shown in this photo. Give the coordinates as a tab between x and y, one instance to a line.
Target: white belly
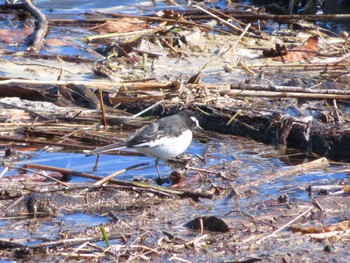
167	148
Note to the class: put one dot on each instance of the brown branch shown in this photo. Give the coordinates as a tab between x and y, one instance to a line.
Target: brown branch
143	186
103	112
281	94
261	87
36	39
41	27
161	19
235	14
45	143
103	85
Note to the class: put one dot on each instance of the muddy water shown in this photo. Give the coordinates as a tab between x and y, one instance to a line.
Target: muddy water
241	161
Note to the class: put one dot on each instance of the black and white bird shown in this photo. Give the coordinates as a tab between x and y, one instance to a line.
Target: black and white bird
164	139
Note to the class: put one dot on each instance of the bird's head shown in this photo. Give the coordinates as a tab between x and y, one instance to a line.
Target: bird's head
191	118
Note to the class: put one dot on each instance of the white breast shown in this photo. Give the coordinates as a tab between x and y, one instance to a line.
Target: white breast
166	147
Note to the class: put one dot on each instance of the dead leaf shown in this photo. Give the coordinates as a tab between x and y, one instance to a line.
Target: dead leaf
340	226
311	43
305	52
346	189
306	230
122	25
15	36
54	42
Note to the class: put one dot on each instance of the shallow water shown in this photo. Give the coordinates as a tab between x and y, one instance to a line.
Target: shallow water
80	7
251	166
107	164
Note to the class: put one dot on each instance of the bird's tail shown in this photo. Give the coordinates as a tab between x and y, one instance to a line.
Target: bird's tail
107	148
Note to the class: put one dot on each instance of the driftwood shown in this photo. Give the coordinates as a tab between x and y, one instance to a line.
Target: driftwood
104	85
276	94
36	39
41	27
146	187
235	89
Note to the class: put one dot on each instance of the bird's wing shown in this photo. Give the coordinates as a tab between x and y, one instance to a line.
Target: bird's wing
171	126
145	135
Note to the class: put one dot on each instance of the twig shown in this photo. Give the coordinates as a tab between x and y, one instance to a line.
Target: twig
336	111
203	170
111	176
275	94
246	68
251	217
141	185
41	27
194	242
330	234
78	255
102	109
172	49
289	18
234	117
301	66
314	188
116	35
175	21
4	171
227	15
40	142
237	41
19	199
149	53
70	241
262	87
143	111
105	86
222	89
63	138
43	173
178	259
285	225
218	18
71	172
73	252
249	90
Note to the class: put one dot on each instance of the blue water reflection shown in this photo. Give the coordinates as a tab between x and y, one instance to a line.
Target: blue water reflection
107	164
296	187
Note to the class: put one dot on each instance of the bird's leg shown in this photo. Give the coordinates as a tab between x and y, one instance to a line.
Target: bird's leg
157	165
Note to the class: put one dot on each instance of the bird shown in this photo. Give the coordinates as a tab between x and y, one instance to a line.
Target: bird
164	139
